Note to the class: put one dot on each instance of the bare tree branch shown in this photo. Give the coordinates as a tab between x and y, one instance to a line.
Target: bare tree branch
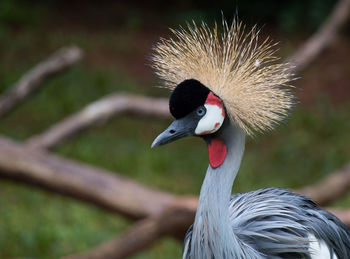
322	38
100	111
329	189
100	187
33	79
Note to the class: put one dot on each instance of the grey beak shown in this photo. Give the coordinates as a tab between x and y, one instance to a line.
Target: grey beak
180	128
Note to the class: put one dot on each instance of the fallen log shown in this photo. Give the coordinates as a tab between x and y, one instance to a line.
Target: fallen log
111	191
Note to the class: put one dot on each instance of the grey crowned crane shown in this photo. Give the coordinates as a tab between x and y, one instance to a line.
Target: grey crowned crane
227	86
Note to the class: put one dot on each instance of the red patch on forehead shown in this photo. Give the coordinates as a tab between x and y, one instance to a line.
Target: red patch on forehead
217	152
214	100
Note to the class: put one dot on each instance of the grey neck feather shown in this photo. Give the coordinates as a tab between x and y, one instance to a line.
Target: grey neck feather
211	230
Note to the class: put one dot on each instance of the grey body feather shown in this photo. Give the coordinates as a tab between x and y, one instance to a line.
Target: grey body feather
267	223
275	223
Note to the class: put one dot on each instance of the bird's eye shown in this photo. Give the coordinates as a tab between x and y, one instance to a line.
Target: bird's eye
201	111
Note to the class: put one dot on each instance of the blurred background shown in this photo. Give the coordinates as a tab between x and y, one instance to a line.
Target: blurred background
117	39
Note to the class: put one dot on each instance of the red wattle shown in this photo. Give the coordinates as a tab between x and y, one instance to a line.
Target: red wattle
217	152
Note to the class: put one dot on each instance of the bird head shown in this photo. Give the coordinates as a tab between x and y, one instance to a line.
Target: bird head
197	112
216	78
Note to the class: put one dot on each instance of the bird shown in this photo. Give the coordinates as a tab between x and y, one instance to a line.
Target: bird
227	85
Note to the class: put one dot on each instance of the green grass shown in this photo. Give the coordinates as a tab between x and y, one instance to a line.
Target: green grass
38	224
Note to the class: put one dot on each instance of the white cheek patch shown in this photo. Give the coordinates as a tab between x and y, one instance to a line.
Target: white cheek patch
211	121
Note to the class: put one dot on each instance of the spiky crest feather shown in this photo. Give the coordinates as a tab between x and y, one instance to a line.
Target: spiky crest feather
235	66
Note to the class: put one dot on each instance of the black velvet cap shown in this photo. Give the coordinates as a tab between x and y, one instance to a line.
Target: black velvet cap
186	97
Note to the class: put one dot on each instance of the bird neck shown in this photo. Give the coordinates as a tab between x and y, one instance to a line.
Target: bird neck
211	228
